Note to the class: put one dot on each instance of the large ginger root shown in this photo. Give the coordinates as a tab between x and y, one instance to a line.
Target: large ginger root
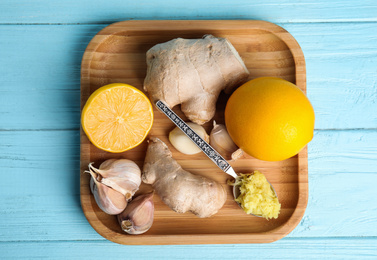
192	72
181	190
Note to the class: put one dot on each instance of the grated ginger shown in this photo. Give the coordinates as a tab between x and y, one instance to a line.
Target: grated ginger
256	196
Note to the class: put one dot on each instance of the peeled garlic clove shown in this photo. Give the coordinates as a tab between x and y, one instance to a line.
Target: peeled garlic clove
122	175
137	218
182	143
220	140
108	200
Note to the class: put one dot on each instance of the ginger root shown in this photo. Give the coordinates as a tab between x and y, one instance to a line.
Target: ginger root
192	72
181	190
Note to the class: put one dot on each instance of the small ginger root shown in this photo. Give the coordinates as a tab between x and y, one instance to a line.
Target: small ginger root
192	72
181	190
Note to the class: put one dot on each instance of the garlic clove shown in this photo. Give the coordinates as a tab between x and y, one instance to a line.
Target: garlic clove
182	143
237	154
107	199
122	175
221	141
137	218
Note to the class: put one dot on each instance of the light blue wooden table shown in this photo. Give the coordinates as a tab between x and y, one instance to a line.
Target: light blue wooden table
41	46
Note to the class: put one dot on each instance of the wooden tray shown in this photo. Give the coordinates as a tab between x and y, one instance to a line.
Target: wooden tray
117	54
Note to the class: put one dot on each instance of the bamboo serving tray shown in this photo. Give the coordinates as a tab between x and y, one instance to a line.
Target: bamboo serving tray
117	54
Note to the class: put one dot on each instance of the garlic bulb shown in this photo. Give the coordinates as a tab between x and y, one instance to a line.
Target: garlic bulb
182	143
114	183
121	175
108	200
220	140
137	218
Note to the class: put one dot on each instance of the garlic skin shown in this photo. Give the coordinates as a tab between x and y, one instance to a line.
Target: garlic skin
122	175
108	200
182	143
237	154
137	218
220	140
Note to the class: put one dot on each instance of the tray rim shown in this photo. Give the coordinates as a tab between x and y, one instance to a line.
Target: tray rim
186	239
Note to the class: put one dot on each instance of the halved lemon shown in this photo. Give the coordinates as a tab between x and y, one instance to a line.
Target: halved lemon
117	117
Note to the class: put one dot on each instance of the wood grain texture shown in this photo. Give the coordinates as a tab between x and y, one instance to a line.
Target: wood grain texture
85	11
110	58
341	73
40	180
312	248
340	57
40	211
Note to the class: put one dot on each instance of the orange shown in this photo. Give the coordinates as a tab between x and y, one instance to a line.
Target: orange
270	118
117	117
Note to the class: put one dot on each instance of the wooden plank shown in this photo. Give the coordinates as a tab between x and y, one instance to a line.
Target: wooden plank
311	248
40	86
341	81
84	11
341	61
342	177
40	186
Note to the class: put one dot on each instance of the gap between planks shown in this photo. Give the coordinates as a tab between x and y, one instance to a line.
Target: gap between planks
106	23
222	245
